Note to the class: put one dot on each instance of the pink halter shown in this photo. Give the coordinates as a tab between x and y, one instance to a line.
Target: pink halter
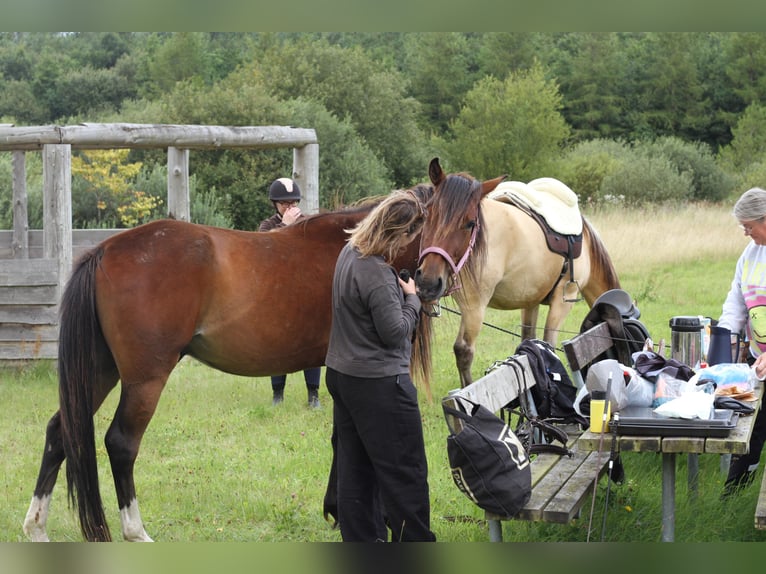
455	268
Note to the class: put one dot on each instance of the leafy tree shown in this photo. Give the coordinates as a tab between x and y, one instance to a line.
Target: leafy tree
745	54
348	169
725	106
501	53
589	73
441	67
664	94
103	191
744	157
354	87
509	126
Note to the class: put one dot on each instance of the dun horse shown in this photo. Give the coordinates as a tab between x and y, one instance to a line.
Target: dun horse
512	268
146	297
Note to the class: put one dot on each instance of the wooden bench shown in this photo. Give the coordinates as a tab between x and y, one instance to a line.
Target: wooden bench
760	508
560	484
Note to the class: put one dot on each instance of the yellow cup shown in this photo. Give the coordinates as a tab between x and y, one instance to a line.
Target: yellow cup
597	413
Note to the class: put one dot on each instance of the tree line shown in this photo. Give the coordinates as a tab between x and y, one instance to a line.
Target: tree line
624	118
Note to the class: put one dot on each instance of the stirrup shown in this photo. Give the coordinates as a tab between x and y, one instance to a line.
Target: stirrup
566	288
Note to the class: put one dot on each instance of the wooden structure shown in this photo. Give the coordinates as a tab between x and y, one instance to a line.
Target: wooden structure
35	264
560	484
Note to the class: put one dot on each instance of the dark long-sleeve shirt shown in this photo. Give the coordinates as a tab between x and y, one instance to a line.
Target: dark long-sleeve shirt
372	319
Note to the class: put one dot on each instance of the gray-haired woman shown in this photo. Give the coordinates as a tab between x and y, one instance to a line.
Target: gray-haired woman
745	309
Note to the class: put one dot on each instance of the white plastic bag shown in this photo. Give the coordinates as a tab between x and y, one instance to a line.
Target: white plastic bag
693	405
639	391
598	378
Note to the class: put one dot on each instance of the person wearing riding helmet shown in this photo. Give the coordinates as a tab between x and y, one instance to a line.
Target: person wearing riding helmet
285	194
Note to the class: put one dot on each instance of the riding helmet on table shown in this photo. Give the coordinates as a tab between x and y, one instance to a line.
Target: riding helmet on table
284	189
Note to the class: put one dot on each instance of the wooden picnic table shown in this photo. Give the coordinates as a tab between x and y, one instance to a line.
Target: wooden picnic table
737	442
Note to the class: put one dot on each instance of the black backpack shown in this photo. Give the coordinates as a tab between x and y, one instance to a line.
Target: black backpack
553	394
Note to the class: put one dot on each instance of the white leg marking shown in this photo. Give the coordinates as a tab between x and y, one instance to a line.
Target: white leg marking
37	518
132	526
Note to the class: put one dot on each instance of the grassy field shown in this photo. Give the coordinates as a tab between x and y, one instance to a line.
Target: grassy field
218	463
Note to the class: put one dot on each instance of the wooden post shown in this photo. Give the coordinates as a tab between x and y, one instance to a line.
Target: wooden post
57	209
179	201
306	174
20	241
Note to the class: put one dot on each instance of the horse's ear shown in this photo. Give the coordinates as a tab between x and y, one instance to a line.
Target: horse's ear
491	184
435	171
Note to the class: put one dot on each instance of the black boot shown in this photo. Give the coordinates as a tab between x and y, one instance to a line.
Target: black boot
313	398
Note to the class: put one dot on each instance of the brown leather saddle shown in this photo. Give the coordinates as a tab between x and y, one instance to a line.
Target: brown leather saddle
568	246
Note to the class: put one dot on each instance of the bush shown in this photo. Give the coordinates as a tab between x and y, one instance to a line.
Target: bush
644	180
584	167
709	181
660	170
33	167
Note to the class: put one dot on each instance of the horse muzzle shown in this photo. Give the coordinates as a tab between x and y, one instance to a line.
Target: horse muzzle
430	287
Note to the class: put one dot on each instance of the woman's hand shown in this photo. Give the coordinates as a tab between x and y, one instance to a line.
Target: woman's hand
408	286
759	367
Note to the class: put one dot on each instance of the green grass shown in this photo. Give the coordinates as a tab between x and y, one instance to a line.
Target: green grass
218	463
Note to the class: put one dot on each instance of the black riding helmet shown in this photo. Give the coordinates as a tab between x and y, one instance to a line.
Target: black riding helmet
284	189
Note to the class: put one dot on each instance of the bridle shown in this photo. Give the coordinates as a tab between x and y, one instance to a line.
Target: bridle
456	267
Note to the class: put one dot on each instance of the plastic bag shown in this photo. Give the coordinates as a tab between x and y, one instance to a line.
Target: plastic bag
638	390
598	379
731	379
668	388
692	405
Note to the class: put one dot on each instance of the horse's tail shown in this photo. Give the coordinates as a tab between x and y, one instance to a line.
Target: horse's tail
79	339
603	275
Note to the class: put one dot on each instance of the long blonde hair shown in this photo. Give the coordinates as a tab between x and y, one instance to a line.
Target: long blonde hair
390	226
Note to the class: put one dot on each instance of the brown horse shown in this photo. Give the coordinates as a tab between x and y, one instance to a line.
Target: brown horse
247	303
512	266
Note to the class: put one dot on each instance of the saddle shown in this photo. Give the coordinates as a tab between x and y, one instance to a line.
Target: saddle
554	207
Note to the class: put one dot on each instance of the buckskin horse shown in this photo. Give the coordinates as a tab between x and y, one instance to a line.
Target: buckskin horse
487	253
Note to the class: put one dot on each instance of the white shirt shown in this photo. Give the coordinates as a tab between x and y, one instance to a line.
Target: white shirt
745	305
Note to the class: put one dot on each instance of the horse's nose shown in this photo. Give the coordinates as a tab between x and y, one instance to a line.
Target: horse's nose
429	290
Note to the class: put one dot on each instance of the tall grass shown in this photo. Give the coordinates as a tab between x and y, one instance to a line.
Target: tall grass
218	463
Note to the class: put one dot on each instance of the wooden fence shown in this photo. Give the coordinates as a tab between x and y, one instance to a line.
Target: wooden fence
35	264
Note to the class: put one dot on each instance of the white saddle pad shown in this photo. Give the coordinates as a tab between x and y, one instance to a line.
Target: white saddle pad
549	197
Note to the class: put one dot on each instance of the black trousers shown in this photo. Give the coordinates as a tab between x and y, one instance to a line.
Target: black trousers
743	466
381	461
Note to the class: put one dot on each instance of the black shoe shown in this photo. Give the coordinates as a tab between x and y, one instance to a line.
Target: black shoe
314	399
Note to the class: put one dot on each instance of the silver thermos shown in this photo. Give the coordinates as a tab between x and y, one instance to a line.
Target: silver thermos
686	340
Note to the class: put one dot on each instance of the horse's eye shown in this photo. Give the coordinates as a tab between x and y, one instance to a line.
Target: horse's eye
470	225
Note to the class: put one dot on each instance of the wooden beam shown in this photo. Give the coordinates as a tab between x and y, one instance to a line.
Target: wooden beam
147	136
